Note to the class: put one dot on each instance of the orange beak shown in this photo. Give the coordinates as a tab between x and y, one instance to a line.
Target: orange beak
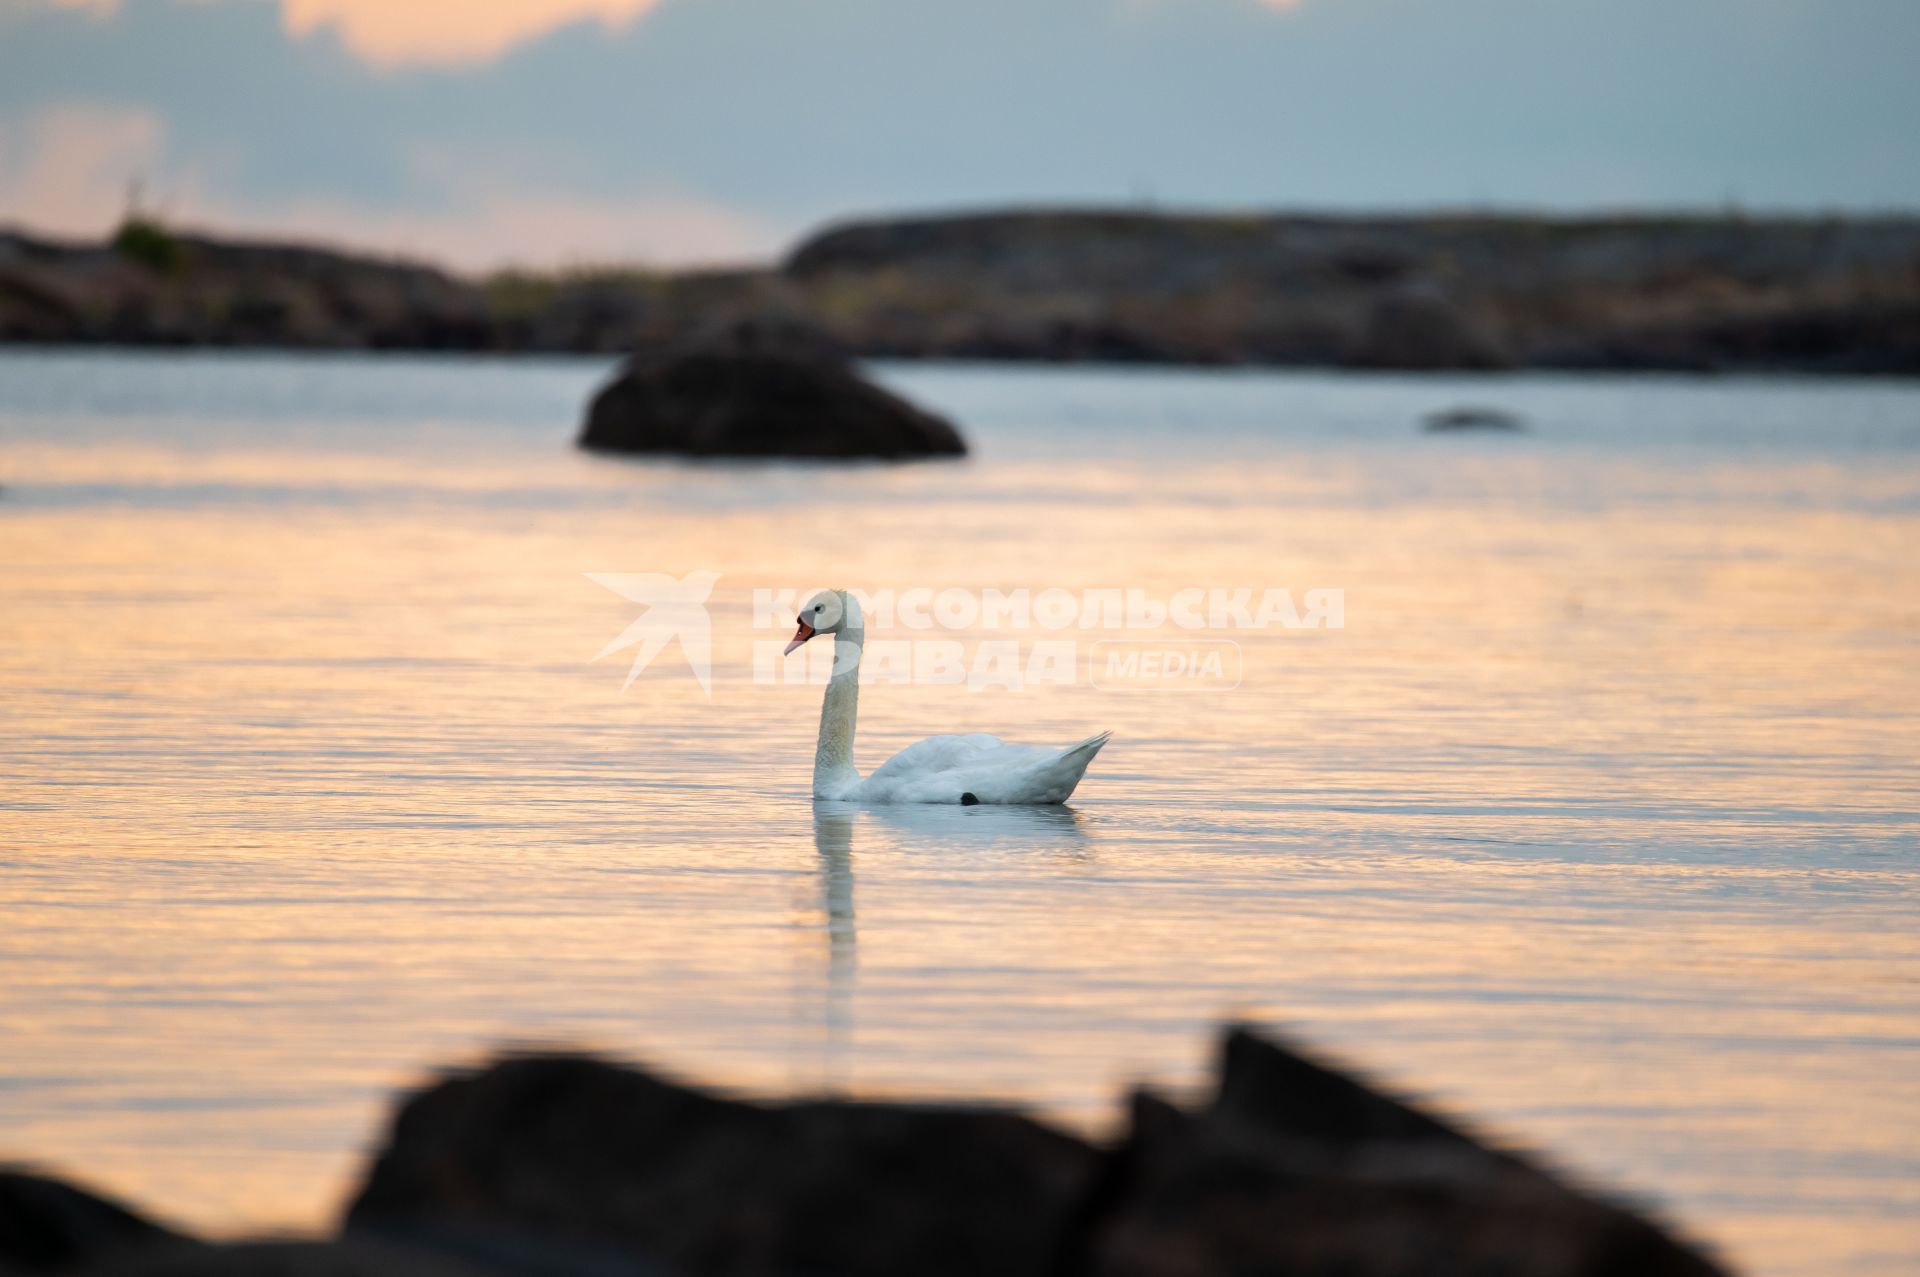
800	636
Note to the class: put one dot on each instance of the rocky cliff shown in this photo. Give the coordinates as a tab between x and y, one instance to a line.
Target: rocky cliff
1826	295
1402	292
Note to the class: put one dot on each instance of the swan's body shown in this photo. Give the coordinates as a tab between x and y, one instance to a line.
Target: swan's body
966	769
939	769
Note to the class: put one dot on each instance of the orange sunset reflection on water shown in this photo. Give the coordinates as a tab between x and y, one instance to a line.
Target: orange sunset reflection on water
1595	822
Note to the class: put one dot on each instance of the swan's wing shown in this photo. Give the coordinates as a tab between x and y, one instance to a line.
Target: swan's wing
942	768
938	754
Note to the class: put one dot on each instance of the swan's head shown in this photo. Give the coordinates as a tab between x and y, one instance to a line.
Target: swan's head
827	612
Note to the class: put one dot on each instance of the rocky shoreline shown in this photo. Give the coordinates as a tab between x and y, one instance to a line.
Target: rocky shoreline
570	1166
1812	295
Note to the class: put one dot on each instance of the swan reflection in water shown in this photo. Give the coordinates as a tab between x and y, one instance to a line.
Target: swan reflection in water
833	840
953	832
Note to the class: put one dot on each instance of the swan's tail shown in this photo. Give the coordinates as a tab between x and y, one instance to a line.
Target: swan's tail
1086	749
1063	776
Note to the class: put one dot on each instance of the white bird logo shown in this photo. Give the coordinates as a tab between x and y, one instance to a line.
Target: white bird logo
676	608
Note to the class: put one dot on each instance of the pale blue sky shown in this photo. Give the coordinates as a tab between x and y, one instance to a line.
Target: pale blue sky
705	129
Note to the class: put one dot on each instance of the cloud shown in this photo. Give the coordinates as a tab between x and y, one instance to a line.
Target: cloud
685	133
468	32
72	168
395	33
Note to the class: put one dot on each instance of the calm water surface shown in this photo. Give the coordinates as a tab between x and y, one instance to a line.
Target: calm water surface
1597	821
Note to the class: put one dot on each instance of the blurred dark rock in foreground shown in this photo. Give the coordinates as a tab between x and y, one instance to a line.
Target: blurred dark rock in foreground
1823	295
592	1152
760	386
50	1227
562	1166
1296	1169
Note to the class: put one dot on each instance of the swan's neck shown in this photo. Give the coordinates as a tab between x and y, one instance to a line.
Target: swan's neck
833	769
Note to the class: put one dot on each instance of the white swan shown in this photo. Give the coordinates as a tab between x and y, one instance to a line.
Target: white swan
939	769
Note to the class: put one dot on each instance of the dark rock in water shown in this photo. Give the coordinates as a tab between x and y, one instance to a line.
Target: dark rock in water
49	1227
1471	418
1293	1168
1300	1170
759	388
584	1150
